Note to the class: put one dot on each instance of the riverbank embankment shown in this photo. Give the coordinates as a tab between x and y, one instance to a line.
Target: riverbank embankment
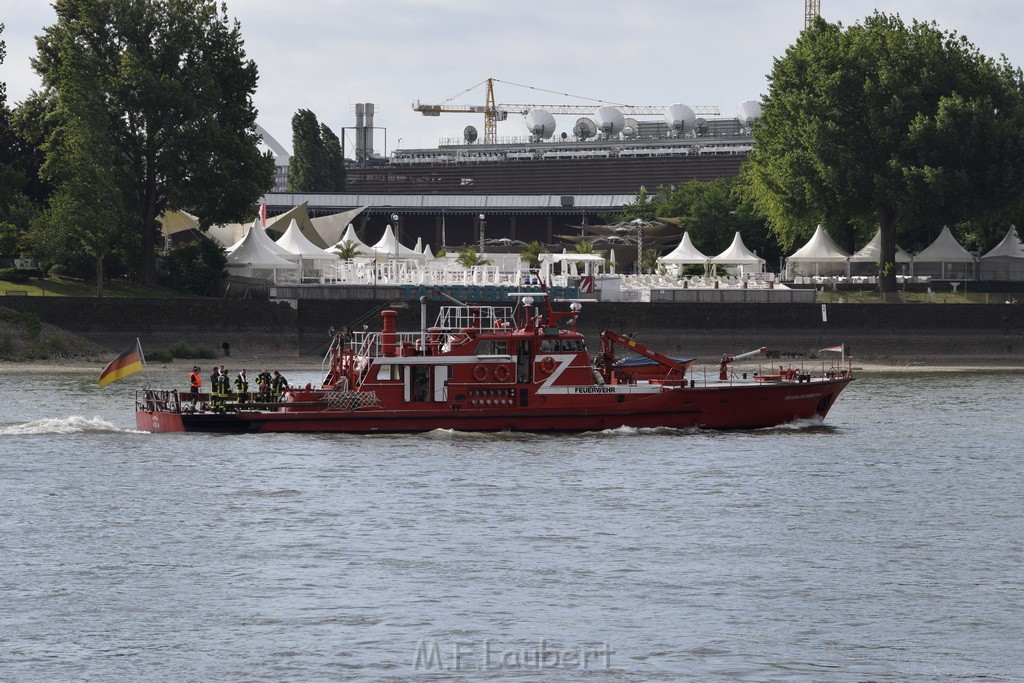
910	336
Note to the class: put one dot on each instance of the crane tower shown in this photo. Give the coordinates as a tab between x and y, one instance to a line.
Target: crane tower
812	9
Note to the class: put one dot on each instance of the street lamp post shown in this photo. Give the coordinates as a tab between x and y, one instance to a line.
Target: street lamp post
483	227
394	263
639	245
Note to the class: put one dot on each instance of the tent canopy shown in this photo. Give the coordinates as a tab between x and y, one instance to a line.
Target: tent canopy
390	248
945	249
872	251
350	236
685	253
253	252
295	242
738	254
1010	246
821	248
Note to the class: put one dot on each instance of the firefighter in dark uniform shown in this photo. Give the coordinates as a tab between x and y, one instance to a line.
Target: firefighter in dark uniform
263	386
215	400
278	385
242	387
225	386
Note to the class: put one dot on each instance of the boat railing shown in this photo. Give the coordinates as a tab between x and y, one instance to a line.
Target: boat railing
483	318
157	400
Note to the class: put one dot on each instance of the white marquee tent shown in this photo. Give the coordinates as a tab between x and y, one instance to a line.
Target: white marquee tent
945	259
312	259
390	248
684	254
350	236
738	255
820	256
251	257
866	259
1006	260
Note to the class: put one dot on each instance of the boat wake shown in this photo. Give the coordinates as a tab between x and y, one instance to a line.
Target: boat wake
76	424
814	424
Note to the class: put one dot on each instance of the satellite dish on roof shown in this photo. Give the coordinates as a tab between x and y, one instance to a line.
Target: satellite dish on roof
630	128
748	112
540	123
469	133
609	121
584	128
680	119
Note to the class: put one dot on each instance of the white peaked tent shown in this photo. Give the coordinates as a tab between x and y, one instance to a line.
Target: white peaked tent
868	256
738	255
684	254
820	256
260	235
1006	260
390	248
428	253
251	257
945	259
350	236
312	259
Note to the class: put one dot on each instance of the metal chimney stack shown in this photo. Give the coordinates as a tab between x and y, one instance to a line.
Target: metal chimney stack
368	132
360	154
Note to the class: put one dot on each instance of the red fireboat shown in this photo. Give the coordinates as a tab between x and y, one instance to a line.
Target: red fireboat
484	368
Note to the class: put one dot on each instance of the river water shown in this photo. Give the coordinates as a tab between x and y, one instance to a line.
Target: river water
885	544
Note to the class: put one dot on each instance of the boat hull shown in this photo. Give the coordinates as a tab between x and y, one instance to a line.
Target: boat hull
725	406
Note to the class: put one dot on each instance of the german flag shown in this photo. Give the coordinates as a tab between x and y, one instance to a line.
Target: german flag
128	363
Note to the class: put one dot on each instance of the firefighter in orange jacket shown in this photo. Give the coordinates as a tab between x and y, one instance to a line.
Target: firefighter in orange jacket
195	382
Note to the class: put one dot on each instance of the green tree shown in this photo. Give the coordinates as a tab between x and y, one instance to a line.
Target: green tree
643	207
886	124
78	165
649	261
348	250
177	115
317	164
468	257
713	212
196	266
16	208
531	253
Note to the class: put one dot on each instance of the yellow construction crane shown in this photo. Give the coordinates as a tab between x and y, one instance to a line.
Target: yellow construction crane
812	10
499	112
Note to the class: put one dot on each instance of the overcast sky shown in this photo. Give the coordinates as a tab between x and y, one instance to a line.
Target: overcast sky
327	55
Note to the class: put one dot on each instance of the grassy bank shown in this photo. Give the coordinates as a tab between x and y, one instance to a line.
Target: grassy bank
56	286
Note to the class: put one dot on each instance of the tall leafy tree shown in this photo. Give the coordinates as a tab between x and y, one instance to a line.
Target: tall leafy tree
177	115
78	165
317	164
16	169
886	124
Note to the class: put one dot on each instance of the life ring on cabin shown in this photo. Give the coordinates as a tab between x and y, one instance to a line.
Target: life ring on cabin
501	373
547	365
480	373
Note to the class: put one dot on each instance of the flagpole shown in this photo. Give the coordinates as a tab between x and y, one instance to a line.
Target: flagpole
145	367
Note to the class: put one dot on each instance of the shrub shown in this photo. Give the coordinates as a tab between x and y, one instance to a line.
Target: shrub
183	350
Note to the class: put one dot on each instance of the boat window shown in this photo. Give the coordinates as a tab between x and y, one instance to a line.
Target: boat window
389	372
573	345
549	346
492	347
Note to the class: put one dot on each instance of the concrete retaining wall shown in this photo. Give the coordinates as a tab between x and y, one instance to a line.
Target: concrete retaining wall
907	332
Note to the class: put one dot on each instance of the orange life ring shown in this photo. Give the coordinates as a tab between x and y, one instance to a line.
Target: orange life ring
480	373
501	373
547	365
